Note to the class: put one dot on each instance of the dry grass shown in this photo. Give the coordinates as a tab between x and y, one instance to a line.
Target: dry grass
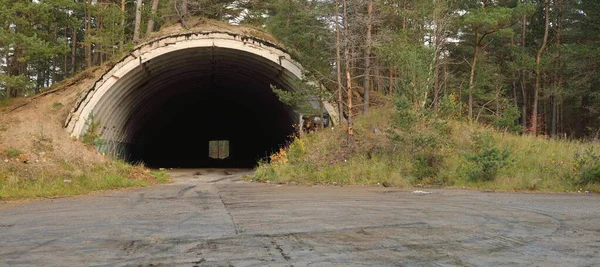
535	163
19	181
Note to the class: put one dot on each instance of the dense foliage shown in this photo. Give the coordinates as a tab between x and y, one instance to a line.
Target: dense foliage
523	65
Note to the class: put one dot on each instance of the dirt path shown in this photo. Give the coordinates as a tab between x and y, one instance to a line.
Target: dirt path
213	219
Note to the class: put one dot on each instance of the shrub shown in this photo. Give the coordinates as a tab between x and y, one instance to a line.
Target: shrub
587	167
508	120
405	118
487	160
427	161
449	106
427	165
422	134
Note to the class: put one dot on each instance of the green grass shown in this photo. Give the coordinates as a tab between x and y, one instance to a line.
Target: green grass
537	163
67	180
5	102
430	151
57	105
161	176
13	152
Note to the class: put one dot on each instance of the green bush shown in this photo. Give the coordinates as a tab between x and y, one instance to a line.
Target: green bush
508	120
427	165
449	106
587	167
405	118
422	134
487	160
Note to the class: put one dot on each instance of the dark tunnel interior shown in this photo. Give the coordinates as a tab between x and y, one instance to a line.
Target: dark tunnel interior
201	96
253	123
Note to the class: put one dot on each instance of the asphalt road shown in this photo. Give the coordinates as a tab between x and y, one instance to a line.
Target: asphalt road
213	219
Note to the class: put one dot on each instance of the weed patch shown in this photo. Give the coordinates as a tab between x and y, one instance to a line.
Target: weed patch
587	167
13	152
92	135
68	179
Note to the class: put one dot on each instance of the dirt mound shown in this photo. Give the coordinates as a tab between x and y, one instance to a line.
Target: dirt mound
32	128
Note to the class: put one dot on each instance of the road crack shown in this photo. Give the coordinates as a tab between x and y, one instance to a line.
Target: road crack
182	192
228	213
280	249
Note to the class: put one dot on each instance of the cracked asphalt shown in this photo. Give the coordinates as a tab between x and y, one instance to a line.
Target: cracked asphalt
212	218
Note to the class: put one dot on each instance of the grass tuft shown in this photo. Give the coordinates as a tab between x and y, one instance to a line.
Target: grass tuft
13	152
57	105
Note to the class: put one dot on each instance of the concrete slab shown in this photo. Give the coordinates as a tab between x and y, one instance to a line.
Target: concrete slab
211	218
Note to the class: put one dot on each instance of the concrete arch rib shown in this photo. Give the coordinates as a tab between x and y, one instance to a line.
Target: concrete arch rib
206	77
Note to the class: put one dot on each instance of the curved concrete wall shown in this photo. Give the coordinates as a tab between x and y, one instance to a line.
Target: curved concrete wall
125	93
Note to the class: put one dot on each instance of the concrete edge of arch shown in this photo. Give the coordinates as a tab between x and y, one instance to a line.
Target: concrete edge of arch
77	119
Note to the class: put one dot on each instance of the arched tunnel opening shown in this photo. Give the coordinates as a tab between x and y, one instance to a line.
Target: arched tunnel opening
197	106
218	112
207	107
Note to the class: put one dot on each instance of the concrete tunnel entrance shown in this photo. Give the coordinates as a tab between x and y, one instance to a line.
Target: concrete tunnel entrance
203	95
192	100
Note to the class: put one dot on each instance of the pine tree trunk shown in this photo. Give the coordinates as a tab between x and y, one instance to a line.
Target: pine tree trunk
377	72
557	73
391	81
97	53
338	63
513	78
404	6
367	78
150	28
138	21
74	51
348	75
436	79
472	75
445	64
88	27
66	58
122	41
439	41
15	67
53	75
524	78
537	89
